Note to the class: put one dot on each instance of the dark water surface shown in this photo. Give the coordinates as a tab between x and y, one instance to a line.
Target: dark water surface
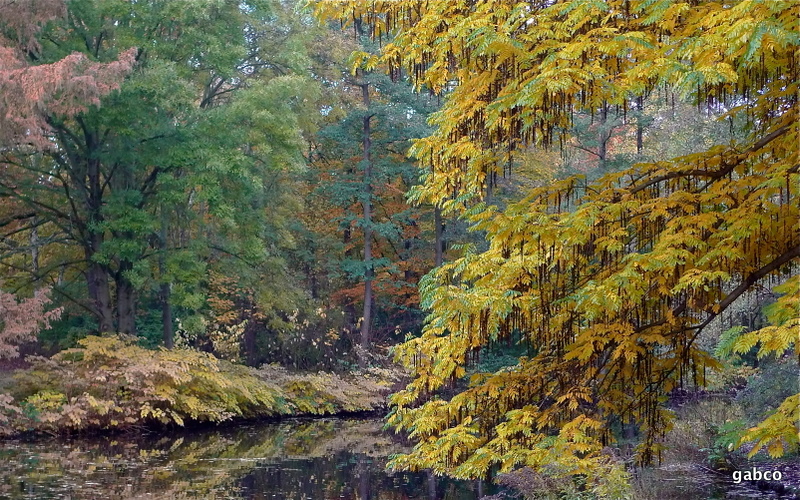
293	459
311	459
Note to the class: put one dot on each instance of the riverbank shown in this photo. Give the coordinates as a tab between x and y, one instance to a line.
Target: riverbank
112	384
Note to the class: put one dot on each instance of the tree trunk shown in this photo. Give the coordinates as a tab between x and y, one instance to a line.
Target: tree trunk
97	276
126	301
366	320
408	254
602	137
431	485
249	340
166	307
438	228
100	295
166	317
363	479
350	308
639	127
34	241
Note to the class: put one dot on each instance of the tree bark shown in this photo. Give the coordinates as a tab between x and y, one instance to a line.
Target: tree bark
350	308
363	479
366	320
439	230
126	301
166	308
602	137
431	485
408	253
166	317
97	276
639	126
100	295
34	241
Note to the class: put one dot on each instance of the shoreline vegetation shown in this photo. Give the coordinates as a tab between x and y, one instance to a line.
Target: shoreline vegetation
110	383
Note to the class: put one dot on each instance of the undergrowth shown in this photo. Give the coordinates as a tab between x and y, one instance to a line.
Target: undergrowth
112	383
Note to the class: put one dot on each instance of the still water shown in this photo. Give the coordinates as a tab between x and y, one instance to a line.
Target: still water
293	459
310	459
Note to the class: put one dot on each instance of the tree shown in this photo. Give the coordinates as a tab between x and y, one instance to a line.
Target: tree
359	176
608	285
176	170
28	91
382	276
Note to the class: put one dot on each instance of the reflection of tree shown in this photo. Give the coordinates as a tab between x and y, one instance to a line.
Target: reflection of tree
324	458
363	478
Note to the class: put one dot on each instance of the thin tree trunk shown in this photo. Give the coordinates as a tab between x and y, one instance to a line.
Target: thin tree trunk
408	245
363	479
166	317
439	244
366	321
603	136
350	308
431	485
249	339
166	307
34	241
639	126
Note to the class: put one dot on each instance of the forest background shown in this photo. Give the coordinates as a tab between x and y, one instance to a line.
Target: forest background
565	223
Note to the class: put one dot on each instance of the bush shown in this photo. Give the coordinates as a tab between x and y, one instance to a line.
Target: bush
609	481
706	430
111	382
769	387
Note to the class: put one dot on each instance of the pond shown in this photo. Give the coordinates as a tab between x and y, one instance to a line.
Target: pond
297	459
308	459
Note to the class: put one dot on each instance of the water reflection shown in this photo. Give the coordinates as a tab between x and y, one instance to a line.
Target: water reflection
318	459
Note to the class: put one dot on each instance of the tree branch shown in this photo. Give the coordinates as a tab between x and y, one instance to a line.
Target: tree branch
729	166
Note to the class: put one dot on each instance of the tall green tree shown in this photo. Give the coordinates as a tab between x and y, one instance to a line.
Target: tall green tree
364	174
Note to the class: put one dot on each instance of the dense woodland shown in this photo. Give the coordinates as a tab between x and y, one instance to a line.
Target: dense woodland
538	224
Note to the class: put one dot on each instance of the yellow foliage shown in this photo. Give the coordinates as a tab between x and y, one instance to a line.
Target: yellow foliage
609	285
779	433
111	382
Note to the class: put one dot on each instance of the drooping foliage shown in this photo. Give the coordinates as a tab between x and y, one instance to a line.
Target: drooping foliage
606	285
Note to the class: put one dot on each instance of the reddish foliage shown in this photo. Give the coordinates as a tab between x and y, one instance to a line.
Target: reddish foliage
30	92
20	321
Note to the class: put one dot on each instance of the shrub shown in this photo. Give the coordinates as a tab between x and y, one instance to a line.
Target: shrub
706	430
111	382
21	320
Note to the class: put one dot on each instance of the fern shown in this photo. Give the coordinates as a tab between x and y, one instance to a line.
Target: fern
110	382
